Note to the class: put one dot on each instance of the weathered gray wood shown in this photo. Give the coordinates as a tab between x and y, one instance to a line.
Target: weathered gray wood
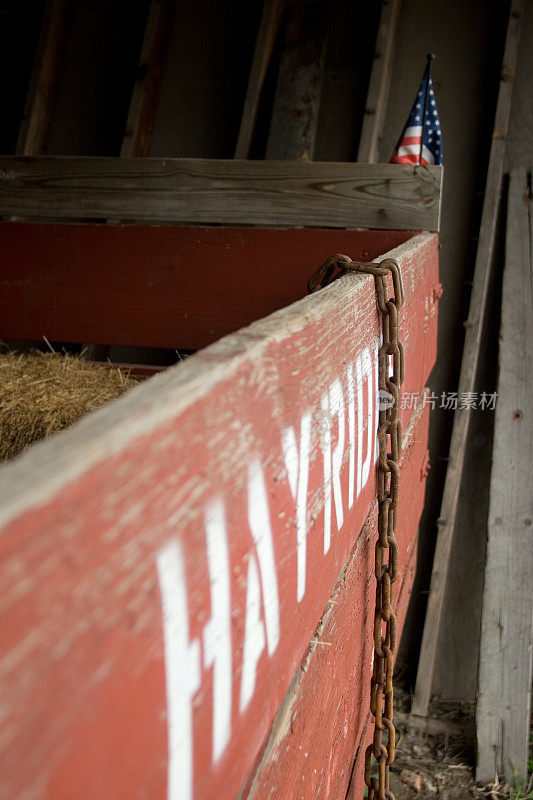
434	727
295	113
378	87
506	645
519	152
147	87
40	98
266	36
339	195
467	381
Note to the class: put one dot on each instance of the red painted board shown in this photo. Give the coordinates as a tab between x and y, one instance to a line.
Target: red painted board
164	563
159	286
317	741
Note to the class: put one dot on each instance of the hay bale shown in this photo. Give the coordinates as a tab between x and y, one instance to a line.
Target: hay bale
41	393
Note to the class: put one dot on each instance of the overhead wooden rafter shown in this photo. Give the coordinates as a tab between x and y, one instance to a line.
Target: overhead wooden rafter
379	85
268	28
147	87
35	125
297	99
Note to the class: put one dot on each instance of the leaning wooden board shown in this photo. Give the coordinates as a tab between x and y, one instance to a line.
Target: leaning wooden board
165	563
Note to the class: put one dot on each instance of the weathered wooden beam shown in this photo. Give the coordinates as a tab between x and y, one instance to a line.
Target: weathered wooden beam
294	119
506	645
338	195
164	562
266	36
34	128
147	87
483	271
379	85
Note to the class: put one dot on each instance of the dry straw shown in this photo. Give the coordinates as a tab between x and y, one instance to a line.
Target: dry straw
41	393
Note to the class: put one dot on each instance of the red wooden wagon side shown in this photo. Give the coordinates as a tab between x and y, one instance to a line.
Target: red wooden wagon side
188	573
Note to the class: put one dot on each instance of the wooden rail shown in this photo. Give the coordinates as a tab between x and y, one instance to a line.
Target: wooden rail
338	195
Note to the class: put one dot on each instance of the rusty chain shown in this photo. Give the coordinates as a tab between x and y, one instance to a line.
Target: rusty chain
386	552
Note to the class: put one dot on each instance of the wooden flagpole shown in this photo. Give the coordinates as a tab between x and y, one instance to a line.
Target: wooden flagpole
429	57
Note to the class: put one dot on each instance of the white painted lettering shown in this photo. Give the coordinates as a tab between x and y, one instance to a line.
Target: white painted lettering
259	521
363	368
336	406
254	634
217	632
326	453
351	433
376	395
297	466
182	668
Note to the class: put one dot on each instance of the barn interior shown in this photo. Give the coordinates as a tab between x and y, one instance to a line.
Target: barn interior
170	79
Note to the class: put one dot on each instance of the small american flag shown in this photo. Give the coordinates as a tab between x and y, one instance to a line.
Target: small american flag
423	115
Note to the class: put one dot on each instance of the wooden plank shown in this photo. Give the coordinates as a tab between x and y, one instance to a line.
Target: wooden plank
159	286
268	28
318	738
463	729
147	87
503	712
467	381
520	141
33	133
180	497
338	195
379	85
297	100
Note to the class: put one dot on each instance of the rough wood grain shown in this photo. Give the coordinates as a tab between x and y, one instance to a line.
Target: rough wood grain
159	286
519	150
147	87
379	85
180	496
297	100
467	380
506	645
384	196
318	738
268	28
40	98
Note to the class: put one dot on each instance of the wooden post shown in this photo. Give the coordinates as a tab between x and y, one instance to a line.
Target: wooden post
296	104
147	88
143	108
266	36
379	85
35	123
506	646
467	381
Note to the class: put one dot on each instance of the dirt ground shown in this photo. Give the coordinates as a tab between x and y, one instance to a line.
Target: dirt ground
438	766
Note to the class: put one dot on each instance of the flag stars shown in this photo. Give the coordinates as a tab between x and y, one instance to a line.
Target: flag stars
422	130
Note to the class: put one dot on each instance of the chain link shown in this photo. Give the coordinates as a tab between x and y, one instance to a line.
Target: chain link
386	552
